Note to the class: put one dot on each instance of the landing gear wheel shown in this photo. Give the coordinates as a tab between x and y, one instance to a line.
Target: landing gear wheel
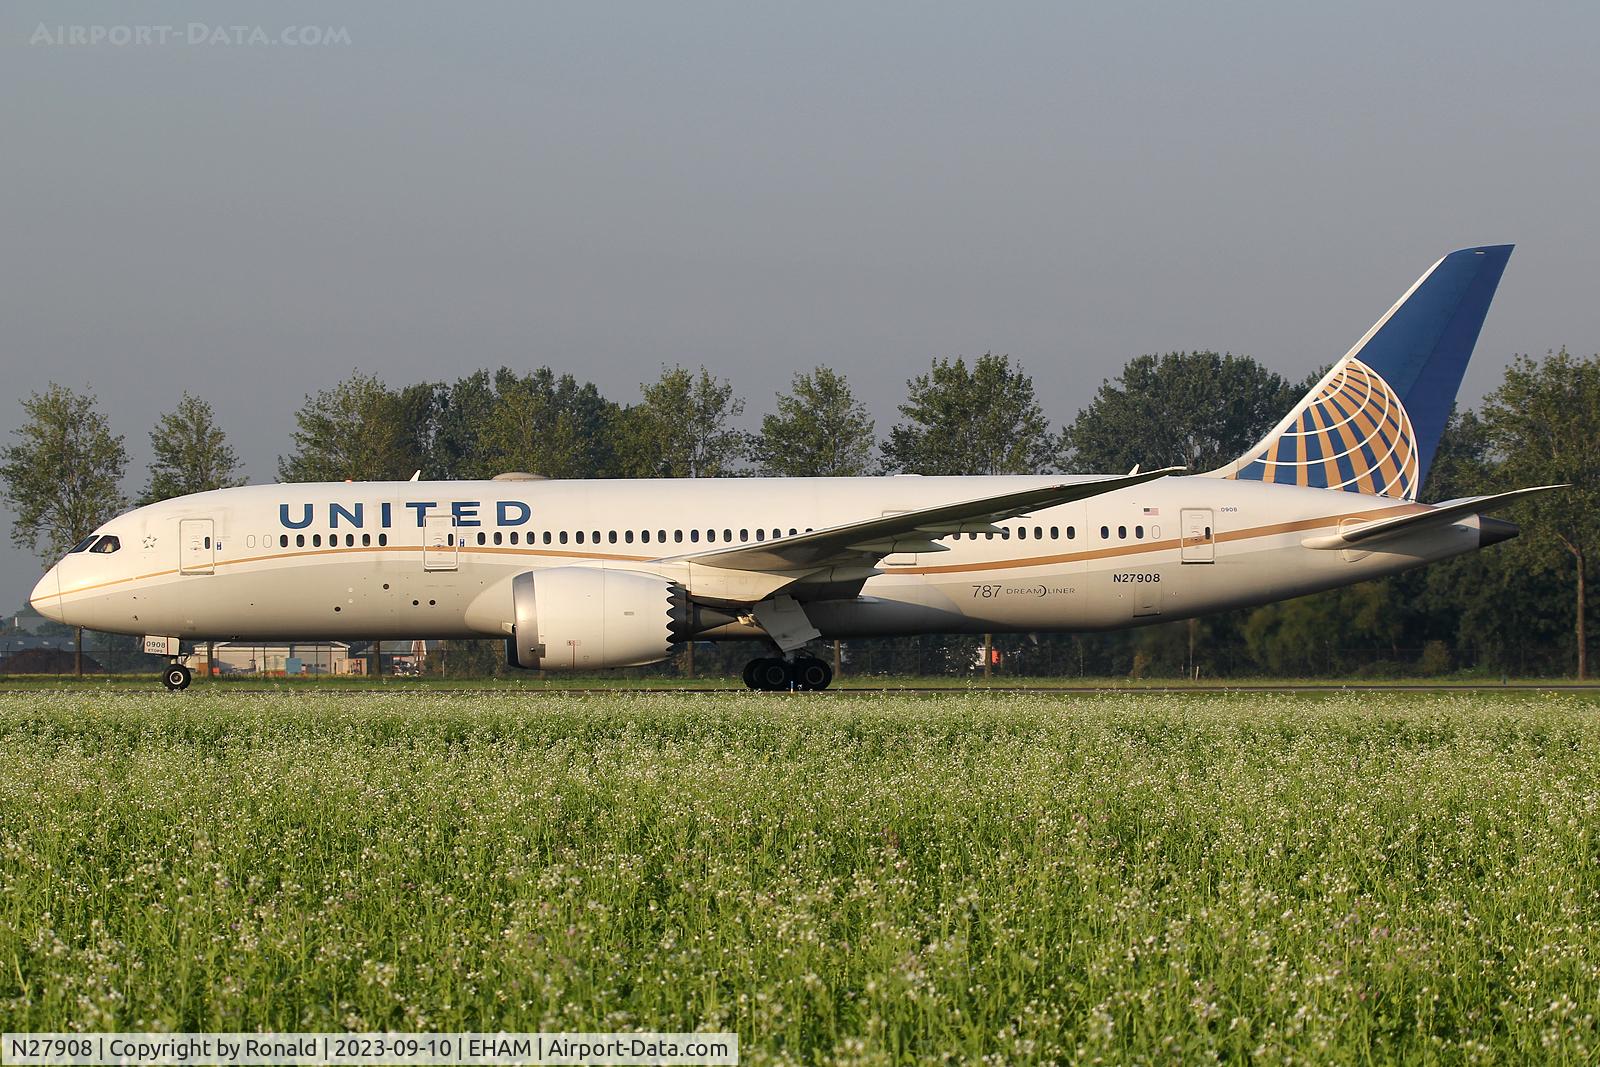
750	674
770	675
811	673
176	677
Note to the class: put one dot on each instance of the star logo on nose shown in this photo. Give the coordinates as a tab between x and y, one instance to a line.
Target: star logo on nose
149	542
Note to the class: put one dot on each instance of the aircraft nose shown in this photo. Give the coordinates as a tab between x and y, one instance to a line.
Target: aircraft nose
46	596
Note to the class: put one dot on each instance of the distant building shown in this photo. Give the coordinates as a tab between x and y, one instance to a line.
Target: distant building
294	659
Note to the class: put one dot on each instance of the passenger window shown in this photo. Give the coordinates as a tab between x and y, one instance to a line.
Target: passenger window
1055	533
612	536
366	540
580	537
744	535
627	536
1038	533
694	536
1071	532
563	537
1022	533
727	536
761	535
299	540
644	536
109	544
283	540
516	534
1122	533
1105	533
383	539
597	537
1138	531
208	543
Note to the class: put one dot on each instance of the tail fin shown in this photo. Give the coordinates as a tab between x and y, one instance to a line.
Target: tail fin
1371	425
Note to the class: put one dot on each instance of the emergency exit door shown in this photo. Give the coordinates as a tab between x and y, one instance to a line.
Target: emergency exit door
197	546
439	543
1199	535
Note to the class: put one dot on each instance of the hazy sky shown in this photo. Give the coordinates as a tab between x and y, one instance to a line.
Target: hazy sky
603	188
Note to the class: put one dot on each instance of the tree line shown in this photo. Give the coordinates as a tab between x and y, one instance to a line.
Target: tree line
1521	608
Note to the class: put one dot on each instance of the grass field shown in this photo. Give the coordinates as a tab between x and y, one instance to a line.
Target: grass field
850	878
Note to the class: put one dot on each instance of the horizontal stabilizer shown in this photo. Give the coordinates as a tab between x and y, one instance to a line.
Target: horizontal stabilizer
1444	514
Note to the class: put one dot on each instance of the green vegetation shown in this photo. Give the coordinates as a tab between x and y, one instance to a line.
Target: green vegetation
1133	877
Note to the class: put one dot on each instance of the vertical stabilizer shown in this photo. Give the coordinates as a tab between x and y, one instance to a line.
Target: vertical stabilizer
1372	424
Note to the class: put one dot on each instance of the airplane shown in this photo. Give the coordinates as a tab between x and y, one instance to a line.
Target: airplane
583	575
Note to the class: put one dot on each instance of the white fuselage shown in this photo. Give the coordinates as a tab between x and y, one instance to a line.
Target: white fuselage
434	559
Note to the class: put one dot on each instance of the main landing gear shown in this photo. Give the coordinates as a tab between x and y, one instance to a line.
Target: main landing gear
777	675
176	676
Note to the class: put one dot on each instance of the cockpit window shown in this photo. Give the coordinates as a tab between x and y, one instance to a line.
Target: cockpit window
83	546
107	544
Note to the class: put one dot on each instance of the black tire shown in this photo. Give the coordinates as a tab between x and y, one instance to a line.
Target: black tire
176	677
771	675
750	674
811	674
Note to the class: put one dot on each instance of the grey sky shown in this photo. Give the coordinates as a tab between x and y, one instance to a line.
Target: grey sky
604	188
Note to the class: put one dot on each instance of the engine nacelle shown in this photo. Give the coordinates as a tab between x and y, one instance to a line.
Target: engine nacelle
587	618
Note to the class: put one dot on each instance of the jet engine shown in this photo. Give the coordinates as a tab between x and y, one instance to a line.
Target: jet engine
587	618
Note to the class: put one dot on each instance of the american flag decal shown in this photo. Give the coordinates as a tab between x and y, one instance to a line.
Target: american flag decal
1352	433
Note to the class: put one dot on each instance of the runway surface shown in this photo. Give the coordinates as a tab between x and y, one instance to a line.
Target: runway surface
35	684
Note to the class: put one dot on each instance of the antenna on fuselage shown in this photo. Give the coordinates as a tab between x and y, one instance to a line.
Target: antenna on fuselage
415	476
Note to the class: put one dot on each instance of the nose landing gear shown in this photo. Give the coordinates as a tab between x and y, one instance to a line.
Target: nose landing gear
176	677
776	675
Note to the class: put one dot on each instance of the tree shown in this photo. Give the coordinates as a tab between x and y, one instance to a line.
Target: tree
63	475
979	421
192	453
547	424
683	427
1195	409
358	431
819	430
1544	425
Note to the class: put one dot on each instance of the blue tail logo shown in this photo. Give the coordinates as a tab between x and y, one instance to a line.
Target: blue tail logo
1373	423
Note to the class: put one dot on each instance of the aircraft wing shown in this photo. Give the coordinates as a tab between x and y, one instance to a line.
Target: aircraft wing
909	531
1443	514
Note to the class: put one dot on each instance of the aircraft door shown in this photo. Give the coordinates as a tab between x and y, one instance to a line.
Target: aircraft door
439	543
197	546
1199	536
